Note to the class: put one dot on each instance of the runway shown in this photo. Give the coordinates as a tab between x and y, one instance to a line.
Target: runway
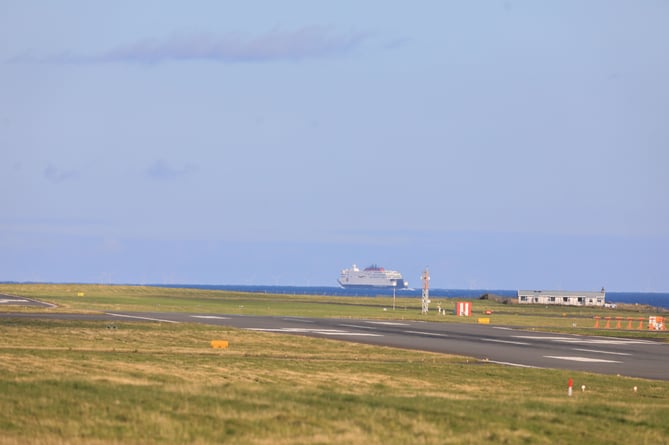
14	300
497	344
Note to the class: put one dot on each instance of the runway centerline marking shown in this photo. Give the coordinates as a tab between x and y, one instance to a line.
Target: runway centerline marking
353	334
209	317
601	352
432	334
589	340
506	341
316	331
390	323
142	318
581	359
291	330
356	326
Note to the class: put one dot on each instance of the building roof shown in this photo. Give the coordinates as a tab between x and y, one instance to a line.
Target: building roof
560	293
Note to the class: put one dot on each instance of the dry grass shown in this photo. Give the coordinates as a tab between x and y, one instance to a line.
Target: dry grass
82	382
70	382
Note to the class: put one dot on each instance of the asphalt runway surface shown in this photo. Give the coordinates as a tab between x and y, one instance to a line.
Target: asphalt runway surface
497	344
9	300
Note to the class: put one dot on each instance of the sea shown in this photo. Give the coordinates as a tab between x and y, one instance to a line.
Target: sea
657	299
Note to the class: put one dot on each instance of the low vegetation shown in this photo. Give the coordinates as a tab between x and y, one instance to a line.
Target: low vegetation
80	382
96	298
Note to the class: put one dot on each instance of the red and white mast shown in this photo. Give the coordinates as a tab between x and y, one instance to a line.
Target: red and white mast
425	276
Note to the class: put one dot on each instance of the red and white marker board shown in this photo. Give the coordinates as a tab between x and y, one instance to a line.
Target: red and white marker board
463	309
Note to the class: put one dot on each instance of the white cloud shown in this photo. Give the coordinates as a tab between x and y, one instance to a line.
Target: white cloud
56	175
162	170
308	42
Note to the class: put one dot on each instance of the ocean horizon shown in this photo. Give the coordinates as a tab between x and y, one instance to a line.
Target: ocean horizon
657	299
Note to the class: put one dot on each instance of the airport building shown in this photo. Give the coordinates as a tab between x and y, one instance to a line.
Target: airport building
563	298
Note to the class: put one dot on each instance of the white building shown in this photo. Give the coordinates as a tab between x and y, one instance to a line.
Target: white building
564	298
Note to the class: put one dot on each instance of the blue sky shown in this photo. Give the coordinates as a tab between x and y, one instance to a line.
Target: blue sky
504	144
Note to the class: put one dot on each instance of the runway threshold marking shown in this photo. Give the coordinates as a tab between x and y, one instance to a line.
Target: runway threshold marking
581	359
142	318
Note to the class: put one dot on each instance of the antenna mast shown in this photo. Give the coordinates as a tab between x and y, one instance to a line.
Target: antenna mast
425	276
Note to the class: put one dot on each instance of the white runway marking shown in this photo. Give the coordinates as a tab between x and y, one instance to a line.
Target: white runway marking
433	334
356	326
17	299
289	330
299	320
517	365
208	317
390	323
581	359
317	331
589	340
506	341
354	334
601	352
142	318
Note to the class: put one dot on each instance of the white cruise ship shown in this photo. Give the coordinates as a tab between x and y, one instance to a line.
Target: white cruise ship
371	277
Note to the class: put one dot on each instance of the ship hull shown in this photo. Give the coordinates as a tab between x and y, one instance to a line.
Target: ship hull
372	277
373	286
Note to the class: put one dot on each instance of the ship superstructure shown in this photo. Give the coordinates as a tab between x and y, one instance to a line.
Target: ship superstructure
371	277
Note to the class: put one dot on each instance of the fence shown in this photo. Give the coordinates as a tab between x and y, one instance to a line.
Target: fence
654	323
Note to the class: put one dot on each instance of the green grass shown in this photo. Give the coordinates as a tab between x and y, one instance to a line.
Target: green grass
80	382
95	382
145	298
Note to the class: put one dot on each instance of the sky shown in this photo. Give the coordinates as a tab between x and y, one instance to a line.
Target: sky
502	144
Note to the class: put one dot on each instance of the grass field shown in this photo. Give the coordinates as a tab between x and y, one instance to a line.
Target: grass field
145	298
94	382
